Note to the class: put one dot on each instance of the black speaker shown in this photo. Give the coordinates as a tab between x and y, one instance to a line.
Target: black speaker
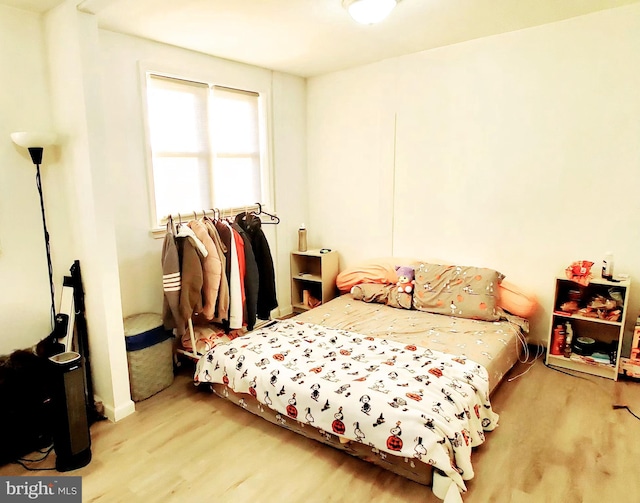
71	436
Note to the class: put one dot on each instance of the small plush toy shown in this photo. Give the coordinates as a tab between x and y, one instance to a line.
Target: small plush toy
405	278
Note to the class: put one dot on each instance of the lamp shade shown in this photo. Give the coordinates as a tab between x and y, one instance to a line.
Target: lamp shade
369	11
34	139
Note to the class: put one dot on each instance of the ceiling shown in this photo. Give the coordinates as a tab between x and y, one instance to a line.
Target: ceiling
313	37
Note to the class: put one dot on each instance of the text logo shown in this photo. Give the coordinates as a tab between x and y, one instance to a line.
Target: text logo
44	489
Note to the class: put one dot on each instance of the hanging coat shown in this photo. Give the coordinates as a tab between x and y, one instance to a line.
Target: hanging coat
190	248
235	285
222	305
267	300
211	270
224	231
251	278
171	285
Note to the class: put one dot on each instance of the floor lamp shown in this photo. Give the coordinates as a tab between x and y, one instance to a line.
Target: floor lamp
35	143
68	386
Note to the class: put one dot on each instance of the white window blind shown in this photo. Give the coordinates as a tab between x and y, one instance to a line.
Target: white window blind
205	143
236	146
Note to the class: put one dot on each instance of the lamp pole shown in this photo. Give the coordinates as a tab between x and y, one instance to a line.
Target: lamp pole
35	143
46	239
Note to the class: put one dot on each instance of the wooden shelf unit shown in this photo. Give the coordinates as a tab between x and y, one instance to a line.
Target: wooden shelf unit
607	334
315	272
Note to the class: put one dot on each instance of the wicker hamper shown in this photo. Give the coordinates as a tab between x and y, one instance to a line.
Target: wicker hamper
149	355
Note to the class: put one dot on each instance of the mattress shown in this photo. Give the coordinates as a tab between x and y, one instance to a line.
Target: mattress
494	345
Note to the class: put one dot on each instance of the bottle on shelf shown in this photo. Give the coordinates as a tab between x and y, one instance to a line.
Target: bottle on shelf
568	340
607	266
302	238
557	345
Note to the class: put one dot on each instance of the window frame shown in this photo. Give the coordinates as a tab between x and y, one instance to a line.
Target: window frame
221	74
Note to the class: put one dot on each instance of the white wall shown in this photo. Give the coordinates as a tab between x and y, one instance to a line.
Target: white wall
519	152
87	189
50	84
138	252
351	149
24	106
289	153
68	76
536	131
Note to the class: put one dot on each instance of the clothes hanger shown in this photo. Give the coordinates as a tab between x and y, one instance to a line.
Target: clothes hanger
274	219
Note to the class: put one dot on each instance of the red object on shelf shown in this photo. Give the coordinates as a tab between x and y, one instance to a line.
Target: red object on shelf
580	272
557	344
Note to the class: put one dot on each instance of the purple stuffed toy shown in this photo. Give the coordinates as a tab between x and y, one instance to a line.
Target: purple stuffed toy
406	277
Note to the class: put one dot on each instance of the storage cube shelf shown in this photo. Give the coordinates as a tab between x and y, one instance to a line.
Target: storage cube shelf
314	272
607	334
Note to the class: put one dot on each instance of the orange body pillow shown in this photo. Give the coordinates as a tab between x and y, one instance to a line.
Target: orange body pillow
515	300
366	273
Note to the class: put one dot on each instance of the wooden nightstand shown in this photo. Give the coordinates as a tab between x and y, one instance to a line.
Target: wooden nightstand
315	273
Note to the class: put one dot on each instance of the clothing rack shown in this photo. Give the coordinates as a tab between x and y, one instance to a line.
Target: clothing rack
217	214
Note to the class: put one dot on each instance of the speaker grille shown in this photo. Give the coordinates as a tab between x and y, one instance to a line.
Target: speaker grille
76	411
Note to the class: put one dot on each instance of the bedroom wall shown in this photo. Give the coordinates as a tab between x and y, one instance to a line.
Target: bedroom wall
518	152
71	77
52	86
24	105
86	186
139	252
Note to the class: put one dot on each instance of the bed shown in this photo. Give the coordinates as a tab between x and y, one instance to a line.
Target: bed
369	373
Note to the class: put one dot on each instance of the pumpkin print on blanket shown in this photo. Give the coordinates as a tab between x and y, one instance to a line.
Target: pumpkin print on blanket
394	442
338	426
291	408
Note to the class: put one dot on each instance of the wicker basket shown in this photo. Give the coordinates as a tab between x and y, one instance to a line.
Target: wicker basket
149	355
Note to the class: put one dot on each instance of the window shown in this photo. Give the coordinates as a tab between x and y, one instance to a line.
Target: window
206	144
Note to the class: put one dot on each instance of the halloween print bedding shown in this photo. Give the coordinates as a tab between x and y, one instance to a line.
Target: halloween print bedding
399	398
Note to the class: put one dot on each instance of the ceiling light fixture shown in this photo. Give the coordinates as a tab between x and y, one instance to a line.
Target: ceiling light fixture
369	11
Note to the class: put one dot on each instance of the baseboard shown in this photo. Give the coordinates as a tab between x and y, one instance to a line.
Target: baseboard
284	312
117	413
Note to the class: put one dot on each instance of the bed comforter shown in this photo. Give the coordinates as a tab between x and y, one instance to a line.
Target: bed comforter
401	399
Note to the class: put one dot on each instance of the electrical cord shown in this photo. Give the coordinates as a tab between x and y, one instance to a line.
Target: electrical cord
525	354
538	354
22	461
616	407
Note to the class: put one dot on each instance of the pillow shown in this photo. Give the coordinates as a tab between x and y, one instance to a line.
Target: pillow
382	294
378	270
462	291
366	273
516	301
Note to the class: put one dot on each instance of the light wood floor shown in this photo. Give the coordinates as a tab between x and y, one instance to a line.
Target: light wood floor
559	440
